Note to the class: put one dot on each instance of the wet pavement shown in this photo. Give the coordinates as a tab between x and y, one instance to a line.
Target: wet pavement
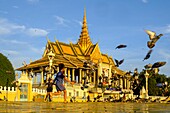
86	107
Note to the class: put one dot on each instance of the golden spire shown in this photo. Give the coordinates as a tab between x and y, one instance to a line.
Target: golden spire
84	39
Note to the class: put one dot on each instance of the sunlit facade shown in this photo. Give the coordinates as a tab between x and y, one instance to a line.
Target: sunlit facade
73	56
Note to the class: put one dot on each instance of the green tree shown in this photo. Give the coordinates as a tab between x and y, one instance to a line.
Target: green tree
152	89
7	74
153	80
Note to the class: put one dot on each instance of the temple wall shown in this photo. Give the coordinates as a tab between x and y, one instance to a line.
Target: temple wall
11	94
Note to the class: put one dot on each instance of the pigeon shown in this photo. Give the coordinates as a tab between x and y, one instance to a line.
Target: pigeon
135	73
128	72
148	55
158	64
153	38
148	66
24	63
14	82
121	46
119	62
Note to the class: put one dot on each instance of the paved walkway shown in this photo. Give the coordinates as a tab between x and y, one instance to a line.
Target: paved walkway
100	107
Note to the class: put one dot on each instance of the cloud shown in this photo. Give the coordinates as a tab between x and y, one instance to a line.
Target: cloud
12	41
145	1
36	32
61	21
166	29
164	53
3	12
33	1
37	50
8	28
16	7
79	22
10	52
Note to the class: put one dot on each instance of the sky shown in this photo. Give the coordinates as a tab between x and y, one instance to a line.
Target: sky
26	24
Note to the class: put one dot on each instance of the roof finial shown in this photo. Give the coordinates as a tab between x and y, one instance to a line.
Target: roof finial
84	40
47	39
84	19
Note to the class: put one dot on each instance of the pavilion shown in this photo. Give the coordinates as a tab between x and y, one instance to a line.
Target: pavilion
74	56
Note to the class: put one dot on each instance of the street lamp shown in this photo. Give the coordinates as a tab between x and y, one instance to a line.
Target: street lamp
51	56
91	65
146	78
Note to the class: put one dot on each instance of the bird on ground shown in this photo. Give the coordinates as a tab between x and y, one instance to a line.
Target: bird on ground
119	62
148	55
158	64
121	46
153	38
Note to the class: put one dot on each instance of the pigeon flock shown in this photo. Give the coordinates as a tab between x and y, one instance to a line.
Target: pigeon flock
153	38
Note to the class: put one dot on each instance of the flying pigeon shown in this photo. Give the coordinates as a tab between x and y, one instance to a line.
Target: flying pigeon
119	62
148	55
153	38
158	64
121	46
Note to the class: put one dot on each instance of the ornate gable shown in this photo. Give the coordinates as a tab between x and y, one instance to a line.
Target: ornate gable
94	52
105	59
48	48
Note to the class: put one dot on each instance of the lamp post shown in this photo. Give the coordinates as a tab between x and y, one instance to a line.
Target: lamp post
146	78
51	56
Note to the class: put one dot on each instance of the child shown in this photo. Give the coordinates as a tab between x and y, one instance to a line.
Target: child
49	89
59	79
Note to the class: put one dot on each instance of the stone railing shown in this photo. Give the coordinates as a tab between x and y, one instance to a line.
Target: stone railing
39	91
9	89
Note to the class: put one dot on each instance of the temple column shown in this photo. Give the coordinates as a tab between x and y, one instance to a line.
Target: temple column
128	84
116	83
125	83
90	78
68	74
110	72
42	76
80	76
65	72
121	83
87	71
73	74
58	69
99	70
35	78
94	77
48	76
